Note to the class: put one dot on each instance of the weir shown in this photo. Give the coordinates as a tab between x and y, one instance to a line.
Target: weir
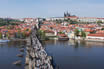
36	56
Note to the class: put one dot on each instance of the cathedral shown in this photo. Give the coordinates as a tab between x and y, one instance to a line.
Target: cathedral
66	14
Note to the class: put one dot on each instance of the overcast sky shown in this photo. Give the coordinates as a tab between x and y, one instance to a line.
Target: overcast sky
51	8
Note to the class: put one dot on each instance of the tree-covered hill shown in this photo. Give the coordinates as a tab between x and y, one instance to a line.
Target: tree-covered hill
7	21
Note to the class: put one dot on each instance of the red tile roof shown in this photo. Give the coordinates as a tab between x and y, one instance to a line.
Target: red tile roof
100	32
96	35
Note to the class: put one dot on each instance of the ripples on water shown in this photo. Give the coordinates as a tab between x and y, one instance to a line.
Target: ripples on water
8	52
66	54
76	54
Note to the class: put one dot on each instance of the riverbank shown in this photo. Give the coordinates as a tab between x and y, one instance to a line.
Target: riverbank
95	40
81	39
18	39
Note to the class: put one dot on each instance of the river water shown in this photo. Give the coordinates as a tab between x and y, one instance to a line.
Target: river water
66	54
8	52
76	54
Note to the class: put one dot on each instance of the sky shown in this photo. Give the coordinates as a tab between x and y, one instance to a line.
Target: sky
51	8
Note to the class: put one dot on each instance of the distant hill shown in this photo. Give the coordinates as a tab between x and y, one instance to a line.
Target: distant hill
7	21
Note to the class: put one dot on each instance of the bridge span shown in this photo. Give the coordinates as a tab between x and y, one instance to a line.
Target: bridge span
36	56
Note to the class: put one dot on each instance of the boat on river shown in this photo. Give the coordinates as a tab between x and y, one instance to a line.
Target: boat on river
2	40
63	38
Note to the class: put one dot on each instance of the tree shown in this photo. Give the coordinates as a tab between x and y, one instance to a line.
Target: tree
61	32
102	29
23	34
0	35
6	21
18	34
67	20
83	34
99	21
27	29
7	35
76	32
41	34
73	22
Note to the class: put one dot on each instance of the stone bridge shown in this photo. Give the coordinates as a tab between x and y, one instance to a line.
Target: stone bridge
36	56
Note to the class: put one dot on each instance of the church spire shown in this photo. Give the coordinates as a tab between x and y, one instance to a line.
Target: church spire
67	14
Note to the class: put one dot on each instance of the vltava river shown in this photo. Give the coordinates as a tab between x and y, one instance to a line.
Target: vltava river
76	54
8	52
66	54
